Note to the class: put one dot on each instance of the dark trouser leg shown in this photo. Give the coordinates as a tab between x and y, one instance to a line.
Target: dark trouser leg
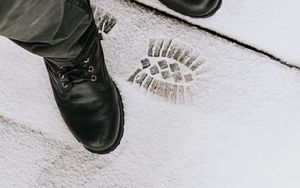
54	29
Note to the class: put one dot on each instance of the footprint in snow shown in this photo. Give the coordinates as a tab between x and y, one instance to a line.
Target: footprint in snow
169	70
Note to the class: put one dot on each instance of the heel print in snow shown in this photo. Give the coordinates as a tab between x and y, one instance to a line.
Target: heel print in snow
104	20
168	71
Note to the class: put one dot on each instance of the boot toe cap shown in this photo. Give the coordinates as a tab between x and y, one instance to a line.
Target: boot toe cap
101	137
99	146
201	8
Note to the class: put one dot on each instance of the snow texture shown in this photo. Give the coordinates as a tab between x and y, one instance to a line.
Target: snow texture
242	130
271	26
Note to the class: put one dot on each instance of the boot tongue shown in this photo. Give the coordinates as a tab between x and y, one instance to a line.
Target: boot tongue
60	62
76	74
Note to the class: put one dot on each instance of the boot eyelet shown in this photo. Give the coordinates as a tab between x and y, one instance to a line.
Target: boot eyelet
60	67
91	69
93	78
64	85
61	76
86	61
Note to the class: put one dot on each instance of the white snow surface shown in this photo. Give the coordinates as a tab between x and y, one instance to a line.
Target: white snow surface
271	26
242	130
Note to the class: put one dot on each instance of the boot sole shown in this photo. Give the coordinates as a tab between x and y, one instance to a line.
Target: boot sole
121	129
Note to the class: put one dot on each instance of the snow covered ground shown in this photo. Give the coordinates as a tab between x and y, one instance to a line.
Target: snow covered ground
242	129
271	26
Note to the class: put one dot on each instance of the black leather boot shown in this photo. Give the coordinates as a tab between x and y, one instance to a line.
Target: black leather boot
194	8
88	100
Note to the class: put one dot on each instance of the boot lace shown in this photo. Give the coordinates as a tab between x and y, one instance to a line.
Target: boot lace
76	74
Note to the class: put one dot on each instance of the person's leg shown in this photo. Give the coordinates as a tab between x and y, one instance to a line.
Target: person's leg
55	29
63	32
